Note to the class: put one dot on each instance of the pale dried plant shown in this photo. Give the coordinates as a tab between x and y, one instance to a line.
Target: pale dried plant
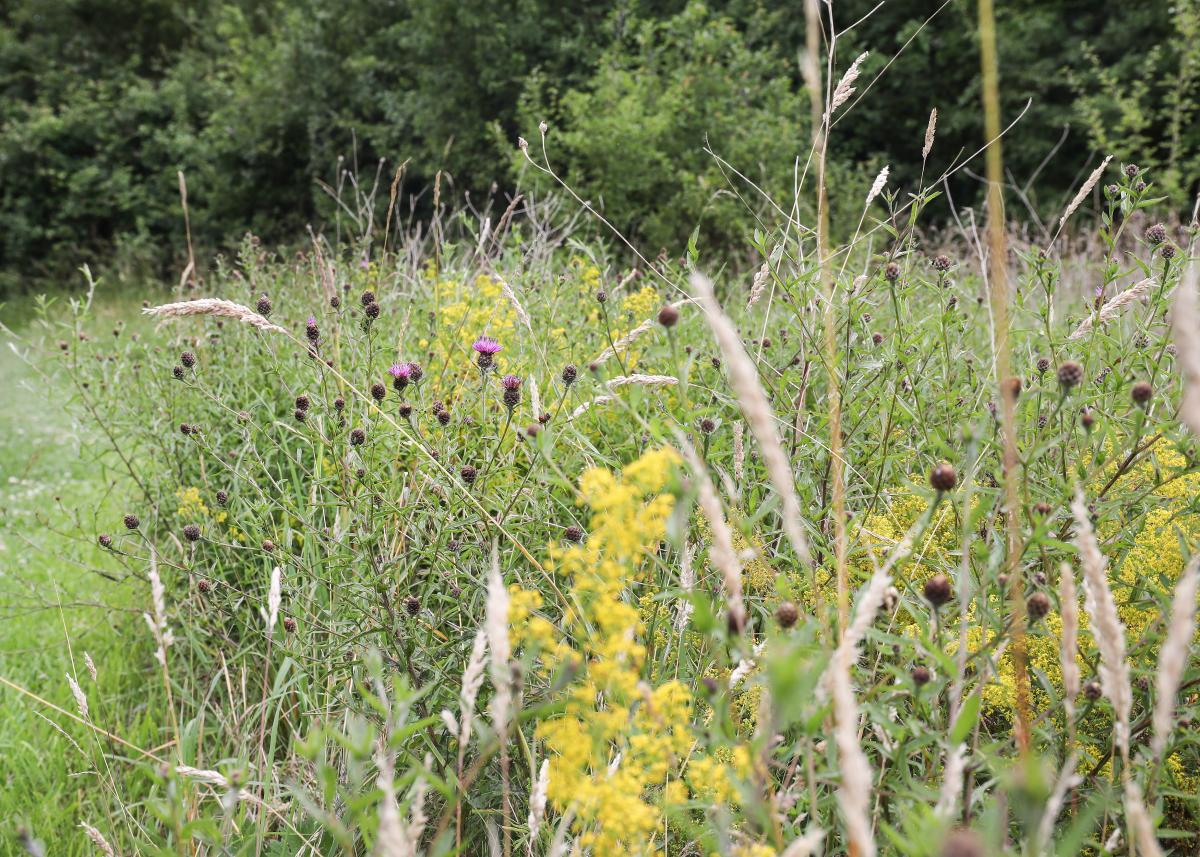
739	451
758	286
845	86
930	133
90	664
535	400
395	837
1173	658
1068	605
1067	780
854	790
98	840
588	405
722	552
1081	195
745	666
274	598
752	399
537	802
80	698
511	296
806	845
622	344
1140	822
642	381
952	782
158	621
877	186
1185	321
213	306
1113	307
687	582
472	681
1106	625
496	624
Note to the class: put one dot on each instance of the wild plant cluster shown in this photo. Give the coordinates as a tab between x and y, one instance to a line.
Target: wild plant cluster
486	543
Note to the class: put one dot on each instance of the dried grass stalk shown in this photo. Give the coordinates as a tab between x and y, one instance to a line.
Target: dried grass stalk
98	839
1105	623
472	680
158	622
739	451
1067	780
516	304
854	792
90	664
930	133
1084	190
496	624
1113	307
722	553
1140	822
952	782
537	802
687	582
80	698
642	381
877	186
213	306
588	405
845	87
743	378
758	287
1185	321
1069	641
806	845
1174	655
274	598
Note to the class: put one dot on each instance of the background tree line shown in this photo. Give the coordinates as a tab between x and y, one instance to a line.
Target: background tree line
102	101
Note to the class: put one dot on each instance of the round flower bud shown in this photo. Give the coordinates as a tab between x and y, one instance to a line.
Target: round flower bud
668	316
192	533
264	305
943	477
131	522
1038	605
937	590
1141	392
786	614
573	534
921	675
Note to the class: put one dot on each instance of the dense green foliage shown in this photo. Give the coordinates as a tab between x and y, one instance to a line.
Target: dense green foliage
102	102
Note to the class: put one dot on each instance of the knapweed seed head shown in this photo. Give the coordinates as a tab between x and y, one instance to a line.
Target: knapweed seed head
1038	606
1043	363
415	372
573	533
941	263
1093	691
401	375
412	605
1141	393
289	624
357	437
943	477
707	426
131	522
302	402
920	675
569	374
371	311
192	533
263	306
468	474
178	373
222	497
1071	373
891	272
1156	234
938	590
203	586
339	404
786	614
668	316
188	359
105	540
405	410
367	298
268	545
378	392
512	390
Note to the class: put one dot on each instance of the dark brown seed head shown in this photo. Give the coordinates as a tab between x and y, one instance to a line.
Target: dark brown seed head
468	474
178	373
358	437
268	546
1038	605
786	614
339	403
921	675
289	624
203	586
368	298
1043	363
1156	234
335	301
188	359
302	402
264	305
943	477
1087	419
412	606
131	522
937	590
1042	508
1141	392
735	621
105	540
443	417
378	392
1093	691
371	310
569	374
668	316
941	263
892	271
573	534
192	533
1070	374
707	426
405	410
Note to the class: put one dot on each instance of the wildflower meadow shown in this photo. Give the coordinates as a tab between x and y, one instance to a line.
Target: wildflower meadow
496	533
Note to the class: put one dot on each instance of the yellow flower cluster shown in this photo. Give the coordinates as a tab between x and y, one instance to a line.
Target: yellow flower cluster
618	741
477	308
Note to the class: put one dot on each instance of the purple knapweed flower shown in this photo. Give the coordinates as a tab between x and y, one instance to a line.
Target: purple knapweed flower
487	349
512	390
401	374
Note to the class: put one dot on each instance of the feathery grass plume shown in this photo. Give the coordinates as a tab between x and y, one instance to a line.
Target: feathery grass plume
633	336
687	582
1068	605
80	698
1185	321
878	185
845	87
753	401
274	599
1106	625
1067	780
98	839
537	802
216	778
1173	657
806	845
90	664
158	622
472	680
1113	307
643	381
496	624
952	782
758	287
535	401
391	839
1140	822
739	451
854	791
1079	197
516	304
722	553
213	306
930	133
588	405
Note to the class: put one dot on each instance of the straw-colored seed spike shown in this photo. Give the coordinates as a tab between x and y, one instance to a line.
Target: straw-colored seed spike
930	133
1105	623
1084	190
516	304
723	554
845	87
90	664
1185	321
496	620
878	185
472	680
1069	644
806	845
1140	822
854	792
1174	655
98	840
643	381
687	582
537	802
588	405
758	287
739	452
743	377
952	782
1113	307
274	599
80	698
622	344
213	306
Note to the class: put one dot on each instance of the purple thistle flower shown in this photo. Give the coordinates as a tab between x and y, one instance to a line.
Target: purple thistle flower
510	382
512	390
401	374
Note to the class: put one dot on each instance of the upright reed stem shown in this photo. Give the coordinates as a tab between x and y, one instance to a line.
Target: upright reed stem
998	293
